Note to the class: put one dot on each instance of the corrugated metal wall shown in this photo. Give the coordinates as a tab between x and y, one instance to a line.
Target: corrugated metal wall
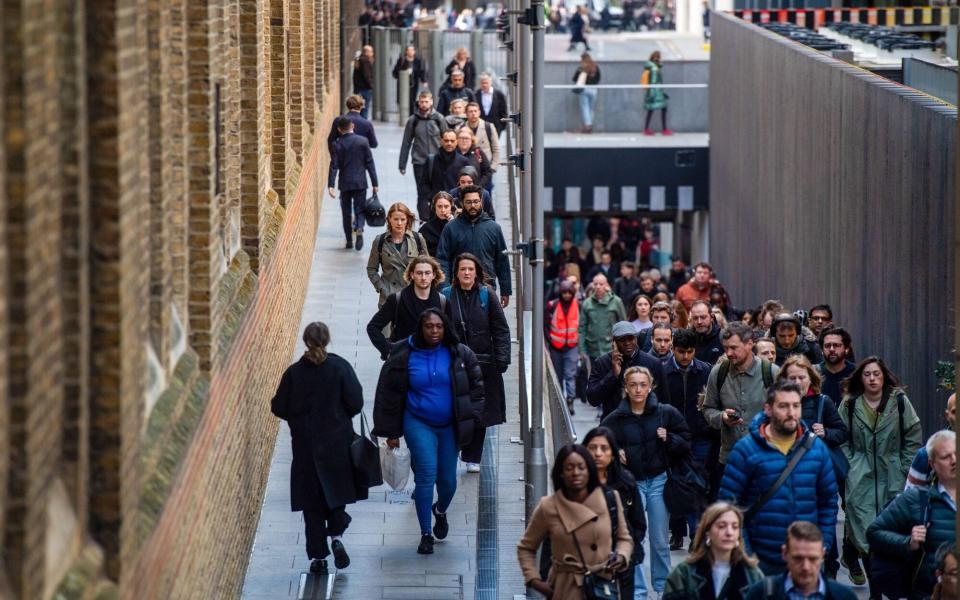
830	184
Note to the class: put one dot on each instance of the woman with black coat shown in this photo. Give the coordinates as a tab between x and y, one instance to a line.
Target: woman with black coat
430	393
479	321
601	443
653	436
318	397
441	212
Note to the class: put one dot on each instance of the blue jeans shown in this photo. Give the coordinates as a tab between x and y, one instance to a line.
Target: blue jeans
352	218
367	96
658	528
433	451
588	98
565	365
639	584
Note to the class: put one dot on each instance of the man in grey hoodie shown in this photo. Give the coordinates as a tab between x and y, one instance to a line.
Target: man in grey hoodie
421	138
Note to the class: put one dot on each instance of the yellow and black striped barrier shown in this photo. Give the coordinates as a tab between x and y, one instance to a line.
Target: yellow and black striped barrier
814	18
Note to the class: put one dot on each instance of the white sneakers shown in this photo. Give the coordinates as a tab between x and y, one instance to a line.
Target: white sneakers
473	467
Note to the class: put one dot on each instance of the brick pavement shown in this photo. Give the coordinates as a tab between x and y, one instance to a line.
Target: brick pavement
383	536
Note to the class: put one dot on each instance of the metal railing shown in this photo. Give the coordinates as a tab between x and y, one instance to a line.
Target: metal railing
562	429
435	48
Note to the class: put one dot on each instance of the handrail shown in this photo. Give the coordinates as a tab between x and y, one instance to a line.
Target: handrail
624	86
562	430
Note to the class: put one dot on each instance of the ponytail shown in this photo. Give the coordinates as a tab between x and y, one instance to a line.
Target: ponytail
316	336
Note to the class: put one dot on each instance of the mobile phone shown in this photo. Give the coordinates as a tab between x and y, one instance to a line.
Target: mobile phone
736	416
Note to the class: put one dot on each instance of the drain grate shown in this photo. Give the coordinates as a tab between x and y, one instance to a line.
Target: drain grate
487	570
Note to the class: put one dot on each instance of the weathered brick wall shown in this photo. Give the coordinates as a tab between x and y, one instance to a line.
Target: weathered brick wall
160	184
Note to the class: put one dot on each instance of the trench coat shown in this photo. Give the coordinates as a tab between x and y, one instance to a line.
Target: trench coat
319	403
878	461
385	267
557	518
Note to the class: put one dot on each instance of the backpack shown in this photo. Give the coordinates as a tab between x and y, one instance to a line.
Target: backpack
382	238
484	296
766	370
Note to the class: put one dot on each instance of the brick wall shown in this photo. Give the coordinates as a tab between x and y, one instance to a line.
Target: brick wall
160	182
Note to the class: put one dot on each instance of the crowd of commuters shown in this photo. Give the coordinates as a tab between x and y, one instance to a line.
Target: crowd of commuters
762	420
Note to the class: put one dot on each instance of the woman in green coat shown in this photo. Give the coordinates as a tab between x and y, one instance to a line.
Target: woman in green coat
885	435
656	98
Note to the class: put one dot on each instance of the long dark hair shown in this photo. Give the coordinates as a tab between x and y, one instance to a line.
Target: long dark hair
853	386
615	470
450	338
317	337
556	474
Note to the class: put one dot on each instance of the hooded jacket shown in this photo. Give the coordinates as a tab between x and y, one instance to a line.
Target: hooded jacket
683	389
421	136
804	346
647	455
709	346
391	397
808	494
484	239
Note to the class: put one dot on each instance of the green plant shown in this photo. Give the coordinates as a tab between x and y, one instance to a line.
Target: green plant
946	375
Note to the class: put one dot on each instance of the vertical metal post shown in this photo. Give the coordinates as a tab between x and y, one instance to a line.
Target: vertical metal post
436	63
536	459
477	50
403	82
523	138
382	65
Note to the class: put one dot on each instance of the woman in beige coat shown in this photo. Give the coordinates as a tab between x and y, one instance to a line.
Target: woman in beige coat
393	250
576	515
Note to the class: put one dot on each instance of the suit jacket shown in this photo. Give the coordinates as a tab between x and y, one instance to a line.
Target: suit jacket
498	109
353	159
361	127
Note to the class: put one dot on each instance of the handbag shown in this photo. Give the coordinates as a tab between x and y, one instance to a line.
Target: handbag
686	488
594	586
365	457
374	212
841	466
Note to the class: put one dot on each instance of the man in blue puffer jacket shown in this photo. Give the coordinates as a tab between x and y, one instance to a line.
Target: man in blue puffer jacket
755	464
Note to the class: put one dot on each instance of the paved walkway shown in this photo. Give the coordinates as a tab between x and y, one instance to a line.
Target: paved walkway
384	534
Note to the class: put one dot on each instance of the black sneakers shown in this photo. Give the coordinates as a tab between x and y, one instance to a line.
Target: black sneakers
340	559
426	544
440	526
318	566
676	542
359	243
348	245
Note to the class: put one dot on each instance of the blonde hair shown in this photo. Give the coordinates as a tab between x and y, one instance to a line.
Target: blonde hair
638	371
700	549
401	207
799	360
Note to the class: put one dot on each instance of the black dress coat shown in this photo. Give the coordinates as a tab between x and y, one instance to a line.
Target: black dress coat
394	382
487	333
319	403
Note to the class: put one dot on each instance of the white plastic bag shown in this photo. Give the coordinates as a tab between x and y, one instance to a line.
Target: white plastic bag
395	466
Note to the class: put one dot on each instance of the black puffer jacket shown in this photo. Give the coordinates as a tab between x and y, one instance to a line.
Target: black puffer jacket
647	455
709	346
606	390
394	381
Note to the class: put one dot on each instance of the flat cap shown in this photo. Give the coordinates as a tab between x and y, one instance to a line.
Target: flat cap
623	329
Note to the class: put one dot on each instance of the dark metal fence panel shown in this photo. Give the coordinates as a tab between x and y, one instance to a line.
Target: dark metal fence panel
830	184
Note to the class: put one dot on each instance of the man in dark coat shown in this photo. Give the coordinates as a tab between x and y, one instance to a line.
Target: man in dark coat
421	138
363	80
318	396
353	159
443	168
361	126
789	339
402	310
605	385
480	323
468	177
418	74
456	89
478	234
493	103
709	345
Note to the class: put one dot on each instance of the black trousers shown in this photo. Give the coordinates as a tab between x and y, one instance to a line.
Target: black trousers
423	192
351	210
473	452
321	524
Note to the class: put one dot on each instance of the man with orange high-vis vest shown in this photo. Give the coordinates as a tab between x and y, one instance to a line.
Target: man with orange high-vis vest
561	322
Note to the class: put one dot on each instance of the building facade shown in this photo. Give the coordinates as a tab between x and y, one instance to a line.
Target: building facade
160	183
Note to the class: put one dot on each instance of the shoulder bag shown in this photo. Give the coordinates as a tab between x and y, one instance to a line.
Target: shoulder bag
686	488
751	512
594	586
365	457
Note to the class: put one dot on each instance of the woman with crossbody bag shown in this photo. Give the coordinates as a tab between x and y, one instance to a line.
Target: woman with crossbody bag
578	519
